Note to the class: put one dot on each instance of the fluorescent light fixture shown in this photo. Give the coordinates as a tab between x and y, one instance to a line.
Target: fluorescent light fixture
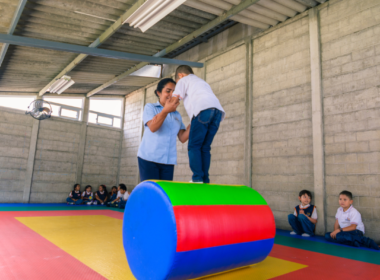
152	71
151	12
61	85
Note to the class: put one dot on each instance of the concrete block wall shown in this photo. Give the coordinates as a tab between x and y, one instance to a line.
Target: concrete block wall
101	157
226	76
131	139
55	164
15	133
350	42
282	148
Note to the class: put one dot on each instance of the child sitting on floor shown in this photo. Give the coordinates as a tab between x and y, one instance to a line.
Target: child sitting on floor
75	196
101	195
115	202
205	113
124	198
87	195
349	227
305	217
113	194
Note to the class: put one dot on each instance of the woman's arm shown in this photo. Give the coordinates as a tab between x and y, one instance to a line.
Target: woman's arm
183	135
159	119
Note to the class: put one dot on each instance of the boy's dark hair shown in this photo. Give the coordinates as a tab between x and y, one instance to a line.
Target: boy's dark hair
88	186
184	69
123	187
114	187
308	193
162	84
75	185
346	193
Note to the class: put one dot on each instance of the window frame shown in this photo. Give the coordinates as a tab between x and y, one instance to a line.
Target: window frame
78	110
121	98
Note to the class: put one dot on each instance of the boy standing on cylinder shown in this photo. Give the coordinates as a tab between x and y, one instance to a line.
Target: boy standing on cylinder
205	113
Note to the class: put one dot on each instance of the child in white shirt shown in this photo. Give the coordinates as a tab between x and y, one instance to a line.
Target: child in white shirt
349	227
205	113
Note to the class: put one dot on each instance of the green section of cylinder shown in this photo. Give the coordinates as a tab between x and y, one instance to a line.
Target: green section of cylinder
210	194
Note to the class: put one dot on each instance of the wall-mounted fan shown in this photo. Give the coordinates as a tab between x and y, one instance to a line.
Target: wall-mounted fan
39	109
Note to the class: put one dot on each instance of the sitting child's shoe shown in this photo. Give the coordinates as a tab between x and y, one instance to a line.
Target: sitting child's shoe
293	232
89	203
305	235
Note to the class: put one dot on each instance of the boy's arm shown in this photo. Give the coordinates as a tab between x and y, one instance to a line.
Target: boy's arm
336	229
350	228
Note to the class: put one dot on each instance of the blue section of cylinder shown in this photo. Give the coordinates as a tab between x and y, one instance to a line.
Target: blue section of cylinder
149	232
197	263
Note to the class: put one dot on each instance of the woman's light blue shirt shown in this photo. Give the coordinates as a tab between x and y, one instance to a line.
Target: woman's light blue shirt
160	146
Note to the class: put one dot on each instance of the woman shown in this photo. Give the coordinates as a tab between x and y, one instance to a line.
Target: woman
157	153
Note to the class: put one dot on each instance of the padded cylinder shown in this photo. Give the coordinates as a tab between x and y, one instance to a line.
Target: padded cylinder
177	230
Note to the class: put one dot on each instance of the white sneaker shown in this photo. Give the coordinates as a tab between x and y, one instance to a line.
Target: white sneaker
196	182
89	203
305	235
293	233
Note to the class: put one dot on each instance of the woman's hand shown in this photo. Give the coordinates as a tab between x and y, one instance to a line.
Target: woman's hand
171	105
183	135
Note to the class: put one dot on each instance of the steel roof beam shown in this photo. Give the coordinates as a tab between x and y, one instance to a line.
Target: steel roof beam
225	16
103	37
12	28
57	46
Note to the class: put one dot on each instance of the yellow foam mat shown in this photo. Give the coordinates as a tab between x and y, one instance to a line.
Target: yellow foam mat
96	241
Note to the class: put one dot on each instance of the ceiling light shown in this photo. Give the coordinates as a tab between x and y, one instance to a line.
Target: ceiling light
151	12
61	85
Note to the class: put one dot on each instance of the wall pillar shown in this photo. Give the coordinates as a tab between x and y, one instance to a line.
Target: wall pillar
317	119
141	132
31	161
121	144
82	142
248	113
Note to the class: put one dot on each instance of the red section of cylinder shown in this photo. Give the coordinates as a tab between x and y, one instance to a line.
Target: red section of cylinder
207	226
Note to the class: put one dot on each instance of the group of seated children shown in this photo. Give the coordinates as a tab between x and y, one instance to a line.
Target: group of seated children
116	198
348	228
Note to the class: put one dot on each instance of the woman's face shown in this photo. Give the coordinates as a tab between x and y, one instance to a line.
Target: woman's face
101	188
77	187
88	189
166	93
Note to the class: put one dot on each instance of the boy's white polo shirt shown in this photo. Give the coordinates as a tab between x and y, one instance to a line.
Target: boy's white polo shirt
197	95
350	217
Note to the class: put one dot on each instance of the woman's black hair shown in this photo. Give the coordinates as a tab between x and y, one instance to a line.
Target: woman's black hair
75	185
88	186
162	84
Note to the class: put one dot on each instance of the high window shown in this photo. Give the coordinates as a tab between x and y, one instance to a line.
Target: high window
66	107
106	111
16	102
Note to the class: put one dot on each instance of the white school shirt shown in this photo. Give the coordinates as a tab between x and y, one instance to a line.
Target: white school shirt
313	215
125	196
119	194
71	195
197	96
90	193
350	217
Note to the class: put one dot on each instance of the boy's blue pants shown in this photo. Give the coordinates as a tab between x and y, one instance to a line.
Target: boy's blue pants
301	224
202	132
122	204
79	201
352	238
